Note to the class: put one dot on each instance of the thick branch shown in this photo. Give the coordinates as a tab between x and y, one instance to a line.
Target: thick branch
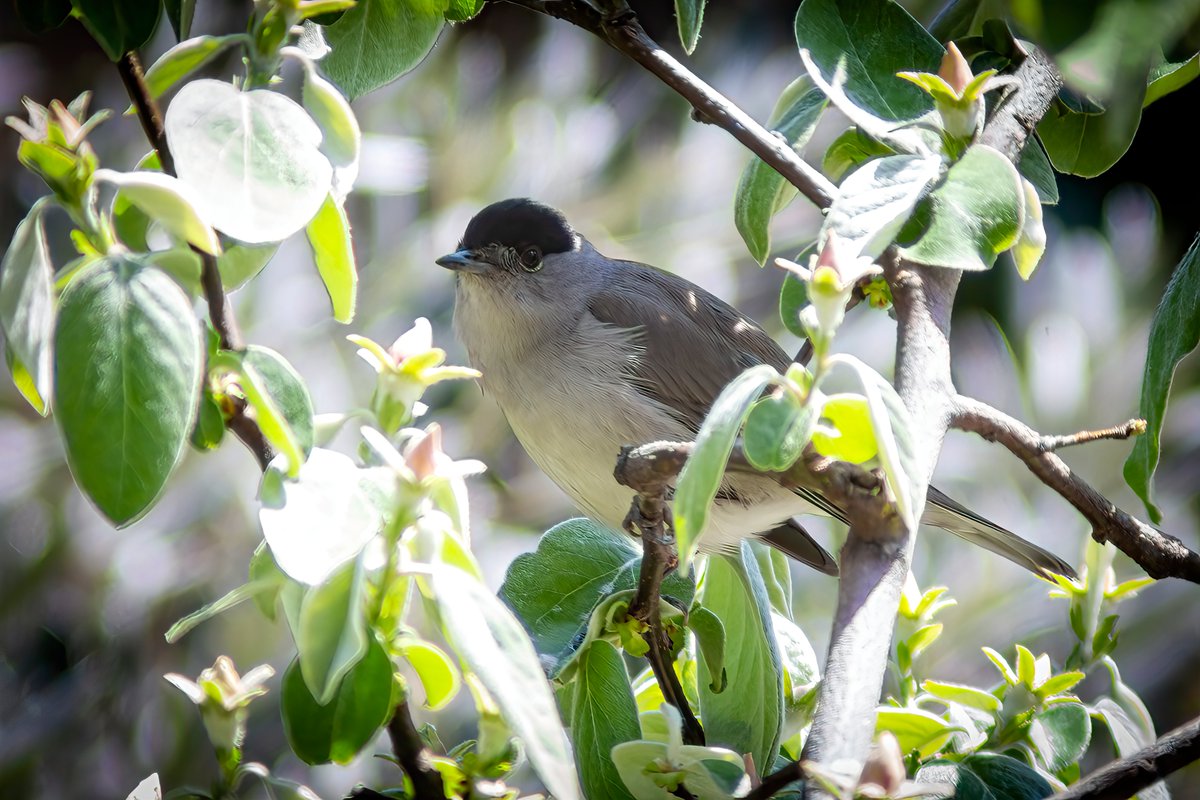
413	756
650	519
1161	555
220	313
1019	113
1127	776
621	29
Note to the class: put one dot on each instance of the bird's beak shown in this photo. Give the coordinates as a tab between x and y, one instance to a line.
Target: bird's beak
464	261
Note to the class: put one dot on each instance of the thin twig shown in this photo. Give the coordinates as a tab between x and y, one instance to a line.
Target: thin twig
1161	555
620	28
220	313
777	781
1134	427
1127	776
414	757
650	519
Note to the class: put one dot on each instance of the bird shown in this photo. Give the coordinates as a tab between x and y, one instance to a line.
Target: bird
586	354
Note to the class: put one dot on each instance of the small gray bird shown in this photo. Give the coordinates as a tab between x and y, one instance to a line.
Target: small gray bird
586	354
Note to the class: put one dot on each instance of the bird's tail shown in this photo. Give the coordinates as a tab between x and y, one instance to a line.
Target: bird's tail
947	514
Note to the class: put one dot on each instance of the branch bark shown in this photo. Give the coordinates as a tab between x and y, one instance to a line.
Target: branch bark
650	474
619	27
1161	555
414	757
220	313
1127	776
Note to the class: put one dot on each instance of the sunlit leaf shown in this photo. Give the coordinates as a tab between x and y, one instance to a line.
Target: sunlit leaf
701	476
27	310
1061	733
914	729
167	200
1031	243
439	676
331	635
184	58
253	159
777	430
329	235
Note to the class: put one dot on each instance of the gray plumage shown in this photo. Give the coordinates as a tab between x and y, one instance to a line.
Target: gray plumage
585	354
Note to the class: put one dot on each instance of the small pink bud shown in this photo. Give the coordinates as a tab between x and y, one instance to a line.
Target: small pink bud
955	70
885	764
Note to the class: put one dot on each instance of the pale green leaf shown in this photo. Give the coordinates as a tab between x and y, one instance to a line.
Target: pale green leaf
27	310
169	201
329	236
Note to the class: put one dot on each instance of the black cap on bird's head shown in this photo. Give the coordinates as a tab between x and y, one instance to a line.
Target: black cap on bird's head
513	235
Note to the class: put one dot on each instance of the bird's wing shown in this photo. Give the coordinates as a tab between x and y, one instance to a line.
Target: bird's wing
696	342
791	539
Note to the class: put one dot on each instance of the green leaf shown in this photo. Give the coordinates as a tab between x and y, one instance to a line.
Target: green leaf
182	265
1035	166
1061	734
893	434
710	641
169	201
777	430
851	437
42	16
439	676
318	522
329	235
180	14
876	200
922	638
1026	666
987	776
1174	333
338	729
964	695
702	474
793	297
762	192
915	729
1001	664
127	374
463	10
976	213
1167	78
331	635
1031	244
849	150
877	38
689	14
1088	144
118	26
377	41
184	58
231	599
27	310
496	648
576	565
253	159
242	262
264	568
287	391
747	716
603	715
342	138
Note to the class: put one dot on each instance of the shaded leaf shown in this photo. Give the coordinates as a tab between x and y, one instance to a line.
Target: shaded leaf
179	14
777	430
287	391
746	717
331	634
1174	332
1035	166
603	715
987	776
127	375
42	16
1088	144
578	563
118	26
710	641
1061	733
689	14
337	730
1168	77
762	192
377	41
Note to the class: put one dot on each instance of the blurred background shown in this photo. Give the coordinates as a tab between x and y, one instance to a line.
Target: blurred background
512	104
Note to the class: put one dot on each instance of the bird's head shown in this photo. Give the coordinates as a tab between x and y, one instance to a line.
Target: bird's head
517	241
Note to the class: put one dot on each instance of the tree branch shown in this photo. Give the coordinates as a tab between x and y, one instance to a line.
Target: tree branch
620	28
414	757
220	313
1127	776
650	474
1161	555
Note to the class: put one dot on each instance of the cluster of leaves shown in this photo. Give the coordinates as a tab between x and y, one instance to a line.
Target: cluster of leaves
746	668
1028	730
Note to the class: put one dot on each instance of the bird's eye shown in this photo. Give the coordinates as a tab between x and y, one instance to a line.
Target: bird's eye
531	259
